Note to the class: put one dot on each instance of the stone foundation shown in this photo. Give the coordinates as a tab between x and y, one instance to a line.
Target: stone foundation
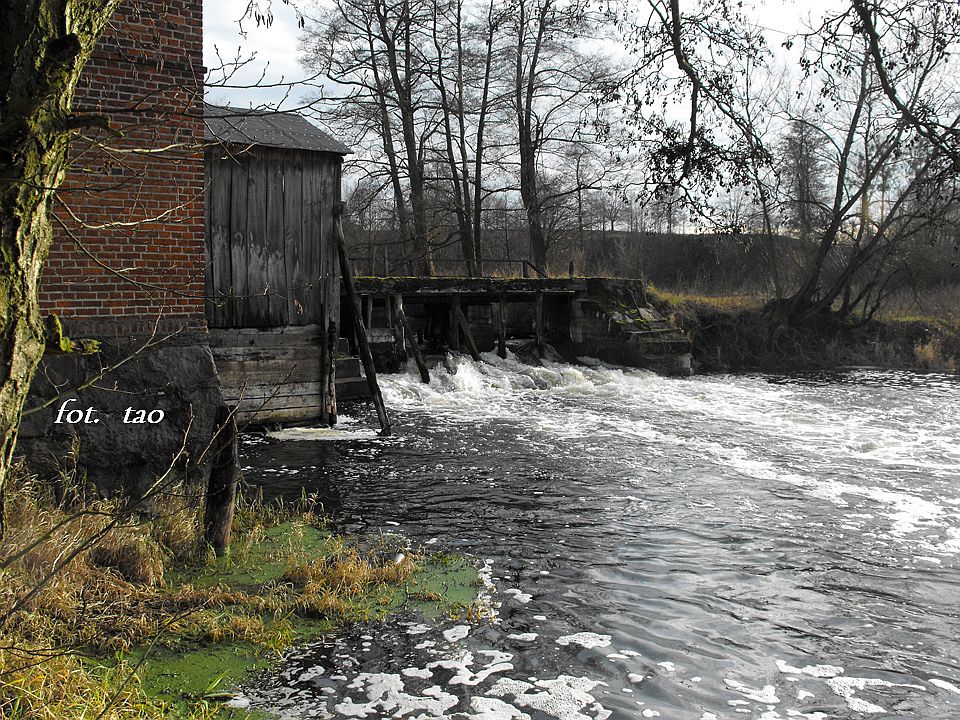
177	377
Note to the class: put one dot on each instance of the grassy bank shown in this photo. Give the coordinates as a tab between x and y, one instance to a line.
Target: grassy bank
112	614
731	333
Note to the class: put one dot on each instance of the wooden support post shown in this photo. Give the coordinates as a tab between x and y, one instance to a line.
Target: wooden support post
407	331
454	324
467	335
538	319
501	330
571	268
326	356
222	486
366	357
330	390
368	311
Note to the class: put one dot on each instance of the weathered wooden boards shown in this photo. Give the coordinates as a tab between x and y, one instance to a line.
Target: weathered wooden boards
272	266
277	374
270	261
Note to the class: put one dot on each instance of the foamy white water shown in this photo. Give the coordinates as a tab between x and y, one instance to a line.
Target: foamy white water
711	547
846	453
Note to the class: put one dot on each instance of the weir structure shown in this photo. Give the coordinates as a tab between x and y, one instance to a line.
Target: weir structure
602	318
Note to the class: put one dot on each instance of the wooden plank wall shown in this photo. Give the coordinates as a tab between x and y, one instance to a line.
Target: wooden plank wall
271	261
273	278
272	375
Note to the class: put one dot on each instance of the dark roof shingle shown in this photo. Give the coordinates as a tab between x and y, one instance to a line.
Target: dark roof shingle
273	129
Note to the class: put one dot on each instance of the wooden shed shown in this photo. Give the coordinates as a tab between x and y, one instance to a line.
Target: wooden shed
272	274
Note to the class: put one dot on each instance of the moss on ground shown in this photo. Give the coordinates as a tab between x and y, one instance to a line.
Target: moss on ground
145	623
196	670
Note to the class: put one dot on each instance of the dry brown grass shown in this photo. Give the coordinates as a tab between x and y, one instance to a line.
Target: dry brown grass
347	573
92	579
65	687
730	303
931	355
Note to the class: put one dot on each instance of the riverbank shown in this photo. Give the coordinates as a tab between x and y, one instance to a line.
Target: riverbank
142	622
730	334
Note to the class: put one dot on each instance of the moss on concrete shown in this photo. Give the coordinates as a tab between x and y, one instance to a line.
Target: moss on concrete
57	342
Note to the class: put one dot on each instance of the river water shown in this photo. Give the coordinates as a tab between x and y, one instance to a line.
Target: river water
748	546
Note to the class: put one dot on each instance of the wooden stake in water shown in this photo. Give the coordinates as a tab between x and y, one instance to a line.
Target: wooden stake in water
454	324
329	394
538	321
501	330
411	338
467	335
222	486
366	357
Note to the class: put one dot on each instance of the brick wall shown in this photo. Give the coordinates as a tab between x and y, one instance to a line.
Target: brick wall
133	250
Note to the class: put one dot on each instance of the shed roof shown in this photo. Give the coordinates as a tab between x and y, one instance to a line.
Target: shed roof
273	129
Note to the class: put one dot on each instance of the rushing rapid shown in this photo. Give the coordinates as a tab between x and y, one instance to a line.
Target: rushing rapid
713	547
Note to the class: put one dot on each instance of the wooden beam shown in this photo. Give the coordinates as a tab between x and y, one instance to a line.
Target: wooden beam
326	356
407	332
538	320
362	345
330	391
467	335
454	324
368	311
501	329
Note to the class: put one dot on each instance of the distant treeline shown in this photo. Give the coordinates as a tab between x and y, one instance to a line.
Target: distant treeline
700	262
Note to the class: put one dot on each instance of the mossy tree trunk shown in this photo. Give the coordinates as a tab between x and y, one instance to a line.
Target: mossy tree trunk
45	45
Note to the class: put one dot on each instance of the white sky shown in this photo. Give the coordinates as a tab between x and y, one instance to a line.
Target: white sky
277	54
275	47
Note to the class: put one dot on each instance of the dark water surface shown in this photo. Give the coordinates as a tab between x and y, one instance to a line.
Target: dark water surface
713	547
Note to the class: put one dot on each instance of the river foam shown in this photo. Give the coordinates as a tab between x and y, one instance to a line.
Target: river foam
710	547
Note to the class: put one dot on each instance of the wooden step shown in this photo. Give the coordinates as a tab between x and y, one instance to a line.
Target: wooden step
348	367
352	389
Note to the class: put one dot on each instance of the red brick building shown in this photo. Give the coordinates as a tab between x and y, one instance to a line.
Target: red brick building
127	261
131	249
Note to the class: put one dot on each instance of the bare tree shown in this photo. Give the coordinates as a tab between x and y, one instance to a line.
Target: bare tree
375	49
551	80
906	41
857	258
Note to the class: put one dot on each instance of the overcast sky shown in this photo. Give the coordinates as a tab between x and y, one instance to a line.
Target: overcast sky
277	53
277	56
